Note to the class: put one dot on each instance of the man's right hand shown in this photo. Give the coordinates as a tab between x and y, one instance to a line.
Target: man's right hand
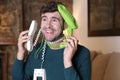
23	38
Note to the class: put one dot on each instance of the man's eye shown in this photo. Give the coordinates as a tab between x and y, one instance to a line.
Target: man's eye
54	20
44	19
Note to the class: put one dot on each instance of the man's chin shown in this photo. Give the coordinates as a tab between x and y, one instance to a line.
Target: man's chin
49	39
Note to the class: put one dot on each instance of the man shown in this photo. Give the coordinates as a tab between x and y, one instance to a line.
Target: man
68	63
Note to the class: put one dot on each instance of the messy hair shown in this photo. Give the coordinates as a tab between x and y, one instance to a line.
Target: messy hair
50	7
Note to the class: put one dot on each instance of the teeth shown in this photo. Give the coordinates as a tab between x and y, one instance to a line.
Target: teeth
48	31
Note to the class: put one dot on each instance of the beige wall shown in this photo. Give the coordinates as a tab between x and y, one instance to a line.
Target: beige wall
104	44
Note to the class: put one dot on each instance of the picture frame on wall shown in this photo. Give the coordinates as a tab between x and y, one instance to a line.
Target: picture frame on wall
103	18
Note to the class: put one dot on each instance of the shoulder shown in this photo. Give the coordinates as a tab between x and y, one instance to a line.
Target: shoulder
82	49
82	52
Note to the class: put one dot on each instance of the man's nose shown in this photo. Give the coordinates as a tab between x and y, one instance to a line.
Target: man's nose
49	23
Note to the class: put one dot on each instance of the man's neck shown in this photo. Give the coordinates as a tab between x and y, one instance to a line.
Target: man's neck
56	44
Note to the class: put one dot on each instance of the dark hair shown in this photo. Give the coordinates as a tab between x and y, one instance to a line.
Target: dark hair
50	7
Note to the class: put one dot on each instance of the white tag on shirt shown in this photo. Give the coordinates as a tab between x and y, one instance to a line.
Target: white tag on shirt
39	73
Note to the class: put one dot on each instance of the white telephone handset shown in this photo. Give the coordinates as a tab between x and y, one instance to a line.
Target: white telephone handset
31	33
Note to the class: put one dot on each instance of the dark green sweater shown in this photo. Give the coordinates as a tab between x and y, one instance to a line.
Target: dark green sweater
81	69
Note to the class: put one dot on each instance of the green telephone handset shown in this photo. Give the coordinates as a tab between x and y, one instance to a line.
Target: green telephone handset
70	21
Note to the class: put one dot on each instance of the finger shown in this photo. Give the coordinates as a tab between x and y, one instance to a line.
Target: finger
23	33
23	39
71	42
75	40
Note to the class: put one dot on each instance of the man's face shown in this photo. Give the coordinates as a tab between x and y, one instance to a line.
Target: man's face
51	25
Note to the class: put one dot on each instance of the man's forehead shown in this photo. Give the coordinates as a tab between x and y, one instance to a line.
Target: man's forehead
51	14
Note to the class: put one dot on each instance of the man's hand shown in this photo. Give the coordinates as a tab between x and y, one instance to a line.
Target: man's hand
23	38
70	51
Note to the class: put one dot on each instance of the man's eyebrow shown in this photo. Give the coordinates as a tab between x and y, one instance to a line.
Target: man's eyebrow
56	18
52	17
43	16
